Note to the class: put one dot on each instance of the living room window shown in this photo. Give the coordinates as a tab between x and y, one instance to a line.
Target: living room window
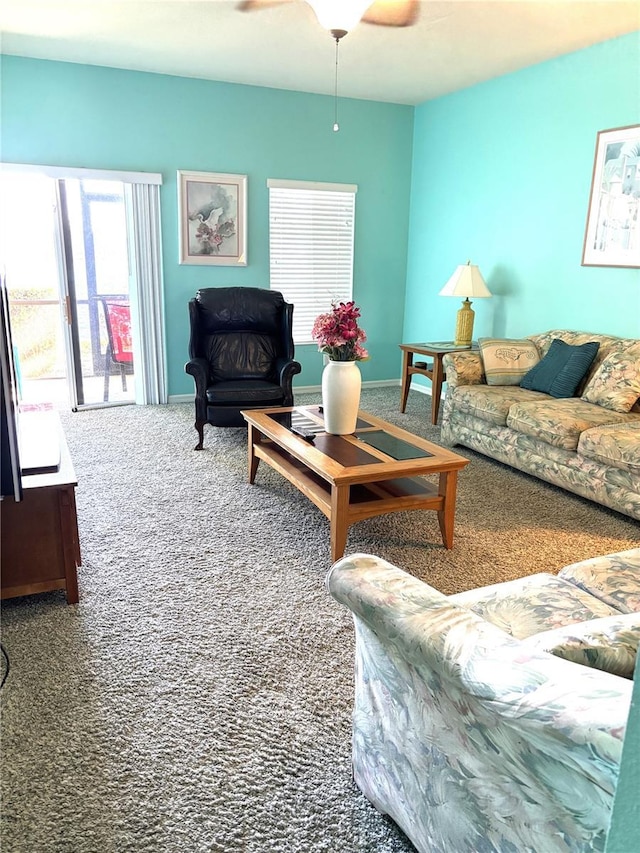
311	231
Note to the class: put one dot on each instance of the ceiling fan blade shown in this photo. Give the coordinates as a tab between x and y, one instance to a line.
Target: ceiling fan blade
392	13
253	5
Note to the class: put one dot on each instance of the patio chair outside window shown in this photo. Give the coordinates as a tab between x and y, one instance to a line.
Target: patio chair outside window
117	315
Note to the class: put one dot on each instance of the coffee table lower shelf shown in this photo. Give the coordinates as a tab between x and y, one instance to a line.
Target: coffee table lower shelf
346	504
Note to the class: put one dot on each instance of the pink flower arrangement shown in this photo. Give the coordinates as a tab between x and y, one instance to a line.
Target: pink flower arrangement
338	334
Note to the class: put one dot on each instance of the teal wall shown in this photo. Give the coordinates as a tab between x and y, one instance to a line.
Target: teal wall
74	115
501	177
498	173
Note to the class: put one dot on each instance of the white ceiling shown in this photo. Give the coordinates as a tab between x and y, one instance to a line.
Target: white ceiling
454	44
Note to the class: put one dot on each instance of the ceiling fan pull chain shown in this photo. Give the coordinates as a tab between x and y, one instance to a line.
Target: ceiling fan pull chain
336	126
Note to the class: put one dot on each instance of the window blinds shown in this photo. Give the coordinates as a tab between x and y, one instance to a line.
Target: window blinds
311	236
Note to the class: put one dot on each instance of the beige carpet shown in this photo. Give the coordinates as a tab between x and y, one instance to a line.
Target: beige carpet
198	698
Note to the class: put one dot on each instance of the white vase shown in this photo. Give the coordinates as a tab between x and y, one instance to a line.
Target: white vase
341	383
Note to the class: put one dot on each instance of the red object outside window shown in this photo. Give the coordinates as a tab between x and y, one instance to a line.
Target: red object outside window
118	316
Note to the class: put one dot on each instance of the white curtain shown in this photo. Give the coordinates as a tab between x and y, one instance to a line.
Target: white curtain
147	244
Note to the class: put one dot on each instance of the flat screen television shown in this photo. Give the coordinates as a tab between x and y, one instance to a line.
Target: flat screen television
10	470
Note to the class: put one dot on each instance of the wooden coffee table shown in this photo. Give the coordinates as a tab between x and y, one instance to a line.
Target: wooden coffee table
347	477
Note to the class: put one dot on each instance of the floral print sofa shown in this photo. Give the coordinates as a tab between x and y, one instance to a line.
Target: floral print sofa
492	721
588	444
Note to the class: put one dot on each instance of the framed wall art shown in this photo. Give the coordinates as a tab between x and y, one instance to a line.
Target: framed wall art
612	235
212	218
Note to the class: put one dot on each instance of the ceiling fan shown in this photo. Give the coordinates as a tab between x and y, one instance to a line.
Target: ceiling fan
340	16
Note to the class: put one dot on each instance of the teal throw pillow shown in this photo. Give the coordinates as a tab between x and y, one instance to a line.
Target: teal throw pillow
562	369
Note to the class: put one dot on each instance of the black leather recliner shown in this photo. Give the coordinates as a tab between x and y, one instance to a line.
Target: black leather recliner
241	353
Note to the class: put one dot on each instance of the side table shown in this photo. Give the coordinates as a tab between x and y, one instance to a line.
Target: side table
432	370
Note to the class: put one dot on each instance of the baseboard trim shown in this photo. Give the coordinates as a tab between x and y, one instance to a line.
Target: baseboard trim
310	389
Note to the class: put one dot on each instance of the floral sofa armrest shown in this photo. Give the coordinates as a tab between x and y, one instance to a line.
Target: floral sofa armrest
466	737
463	368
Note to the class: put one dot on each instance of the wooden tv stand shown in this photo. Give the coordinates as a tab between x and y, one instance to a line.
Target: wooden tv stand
40	545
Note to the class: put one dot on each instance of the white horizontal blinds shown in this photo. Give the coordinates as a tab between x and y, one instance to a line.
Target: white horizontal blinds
311	228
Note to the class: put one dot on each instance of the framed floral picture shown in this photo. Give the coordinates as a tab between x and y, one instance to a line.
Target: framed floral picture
612	235
212	218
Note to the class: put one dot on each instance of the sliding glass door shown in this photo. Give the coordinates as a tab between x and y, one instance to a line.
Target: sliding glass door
30	256
98	283
64	246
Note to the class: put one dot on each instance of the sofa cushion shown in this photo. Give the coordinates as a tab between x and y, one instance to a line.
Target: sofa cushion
616	383
609	644
536	603
491	403
616	445
562	369
560	422
614	578
245	392
506	360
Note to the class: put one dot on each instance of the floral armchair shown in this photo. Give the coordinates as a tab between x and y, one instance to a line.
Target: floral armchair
472	739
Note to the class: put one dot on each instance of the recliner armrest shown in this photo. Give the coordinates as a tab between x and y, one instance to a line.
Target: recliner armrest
286	368
199	369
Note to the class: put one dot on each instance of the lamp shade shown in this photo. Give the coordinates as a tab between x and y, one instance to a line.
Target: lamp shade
339	14
467	282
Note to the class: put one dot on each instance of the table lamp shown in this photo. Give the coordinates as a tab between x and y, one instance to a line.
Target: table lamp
466	281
